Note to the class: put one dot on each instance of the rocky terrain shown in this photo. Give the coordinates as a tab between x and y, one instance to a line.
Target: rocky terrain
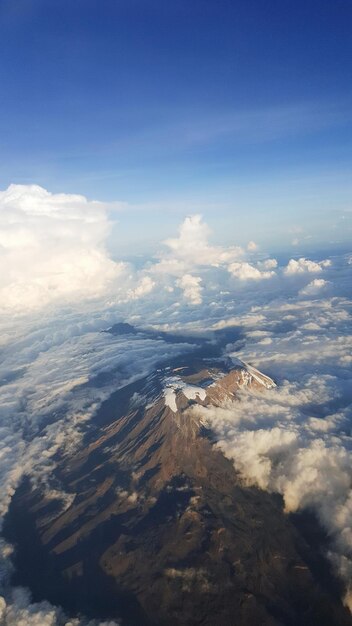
148	521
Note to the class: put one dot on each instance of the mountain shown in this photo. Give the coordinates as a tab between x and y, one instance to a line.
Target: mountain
148	521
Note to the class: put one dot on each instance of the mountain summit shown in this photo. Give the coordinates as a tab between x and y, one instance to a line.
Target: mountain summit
149	522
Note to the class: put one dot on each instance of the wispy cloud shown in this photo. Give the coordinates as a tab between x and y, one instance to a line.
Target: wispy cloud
189	129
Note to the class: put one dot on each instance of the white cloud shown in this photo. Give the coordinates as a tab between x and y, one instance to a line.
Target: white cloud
248	320
302	266
295	439
52	248
192	289
314	287
246	271
145	286
252	246
268	264
191	249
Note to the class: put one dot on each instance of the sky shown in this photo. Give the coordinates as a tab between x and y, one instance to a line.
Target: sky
238	110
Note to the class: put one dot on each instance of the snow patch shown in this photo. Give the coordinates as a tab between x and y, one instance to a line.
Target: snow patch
191	392
174	384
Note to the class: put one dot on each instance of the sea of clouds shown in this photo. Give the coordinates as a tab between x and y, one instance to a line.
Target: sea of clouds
59	289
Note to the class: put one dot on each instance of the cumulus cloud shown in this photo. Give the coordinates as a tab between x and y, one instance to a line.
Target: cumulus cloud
246	271
277	446
144	286
295	439
191	249
53	248
268	264
252	246
313	287
192	289
302	266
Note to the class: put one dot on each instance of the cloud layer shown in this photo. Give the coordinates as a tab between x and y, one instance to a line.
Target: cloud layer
53	251
296	439
59	288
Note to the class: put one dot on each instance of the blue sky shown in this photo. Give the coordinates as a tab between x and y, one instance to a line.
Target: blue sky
240	110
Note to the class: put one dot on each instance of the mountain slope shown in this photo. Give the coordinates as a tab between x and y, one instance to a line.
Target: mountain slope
150	521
